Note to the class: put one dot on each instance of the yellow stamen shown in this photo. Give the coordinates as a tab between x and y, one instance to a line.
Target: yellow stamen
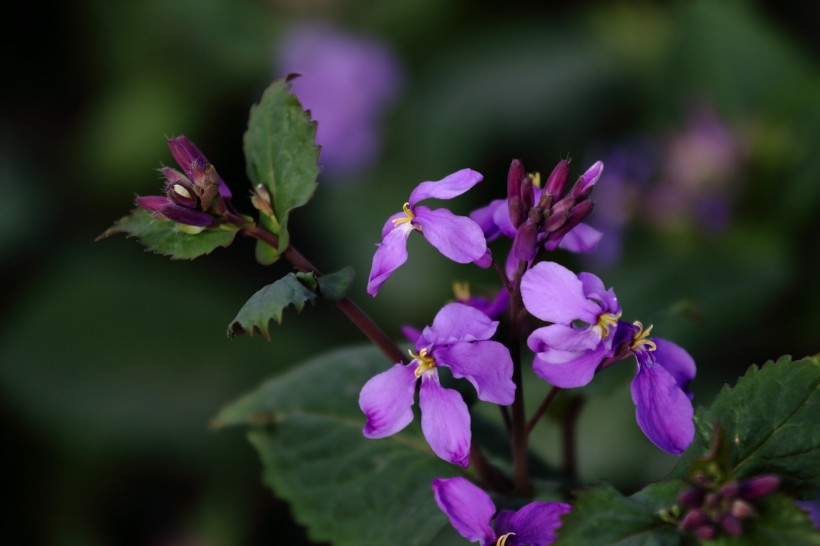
461	291
425	362
536	179
408	215
605	322
502	540
640	338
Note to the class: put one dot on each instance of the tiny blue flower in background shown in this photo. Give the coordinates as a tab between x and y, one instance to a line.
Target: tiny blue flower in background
459	339
346	82
471	512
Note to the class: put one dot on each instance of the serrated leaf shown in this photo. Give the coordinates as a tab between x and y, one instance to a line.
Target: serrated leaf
268	304
602	516
281	154
345	488
770	421
780	521
164	236
334	286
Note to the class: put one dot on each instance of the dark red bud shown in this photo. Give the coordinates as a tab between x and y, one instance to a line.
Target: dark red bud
586	183
691	498
557	179
555	221
152	202
186	216
186	153
563	205
517	211
514	177
732	525
730	490
527	193
693	520
711	500
759	487
707	532
525	243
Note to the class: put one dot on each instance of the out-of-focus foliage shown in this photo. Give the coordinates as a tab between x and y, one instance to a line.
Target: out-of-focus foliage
112	361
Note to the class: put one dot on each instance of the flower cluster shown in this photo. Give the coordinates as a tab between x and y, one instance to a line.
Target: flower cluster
192	199
584	336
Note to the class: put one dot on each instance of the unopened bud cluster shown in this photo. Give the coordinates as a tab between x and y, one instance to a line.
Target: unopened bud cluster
714	509
194	198
543	216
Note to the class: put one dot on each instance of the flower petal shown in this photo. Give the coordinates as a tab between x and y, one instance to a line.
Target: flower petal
501	217
484	218
389	256
662	409
552	292
469	508
557	343
594	289
675	360
448	187
486	364
387	401
573	373
390	225
458	322
457	237
445	421
502	522
536	523
582	238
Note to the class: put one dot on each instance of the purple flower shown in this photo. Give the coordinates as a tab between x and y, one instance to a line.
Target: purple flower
458	339
457	237
663	407
346	82
584	315
189	198
471	510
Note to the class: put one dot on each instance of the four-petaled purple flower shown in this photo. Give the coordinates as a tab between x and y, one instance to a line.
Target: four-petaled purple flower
459	339
471	510
663	406
584	314
457	237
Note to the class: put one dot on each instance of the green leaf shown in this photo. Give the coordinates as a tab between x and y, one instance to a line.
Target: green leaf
281	154
346	489
770	422
334	286
781	521
602	516
165	237
268	304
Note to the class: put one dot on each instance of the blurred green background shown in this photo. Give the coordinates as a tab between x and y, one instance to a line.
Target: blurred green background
112	361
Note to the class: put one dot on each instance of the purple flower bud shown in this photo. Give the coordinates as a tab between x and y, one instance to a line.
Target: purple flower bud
152	202
188	155
514	177
555	221
691	498
524	246
693	519
711	500
185	216
182	193
527	193
732	525
730	490
557	179
173	175
707	532
742	509
586	183
759	487
208	182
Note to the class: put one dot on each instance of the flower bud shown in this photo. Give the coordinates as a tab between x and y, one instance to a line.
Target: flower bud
759	487
555	221
260	199
527	193
586	183
729	490
742	509
693	520
557	179
691	498
186	153
732	525
182	215
514	177
526	238
182	193
152	202
707	532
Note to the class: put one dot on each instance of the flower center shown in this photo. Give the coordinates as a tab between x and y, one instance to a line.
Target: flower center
641	338
408	215
502	540
426	363
536	178
461	291
605	322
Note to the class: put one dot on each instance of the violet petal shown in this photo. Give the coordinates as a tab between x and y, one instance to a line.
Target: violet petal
445	421
552	292
387	401
448	187
537	523
389	256
571	374
582	238
458	322
457	237
485	364
469	508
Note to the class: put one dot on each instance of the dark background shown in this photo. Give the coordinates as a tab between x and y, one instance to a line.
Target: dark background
113	361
